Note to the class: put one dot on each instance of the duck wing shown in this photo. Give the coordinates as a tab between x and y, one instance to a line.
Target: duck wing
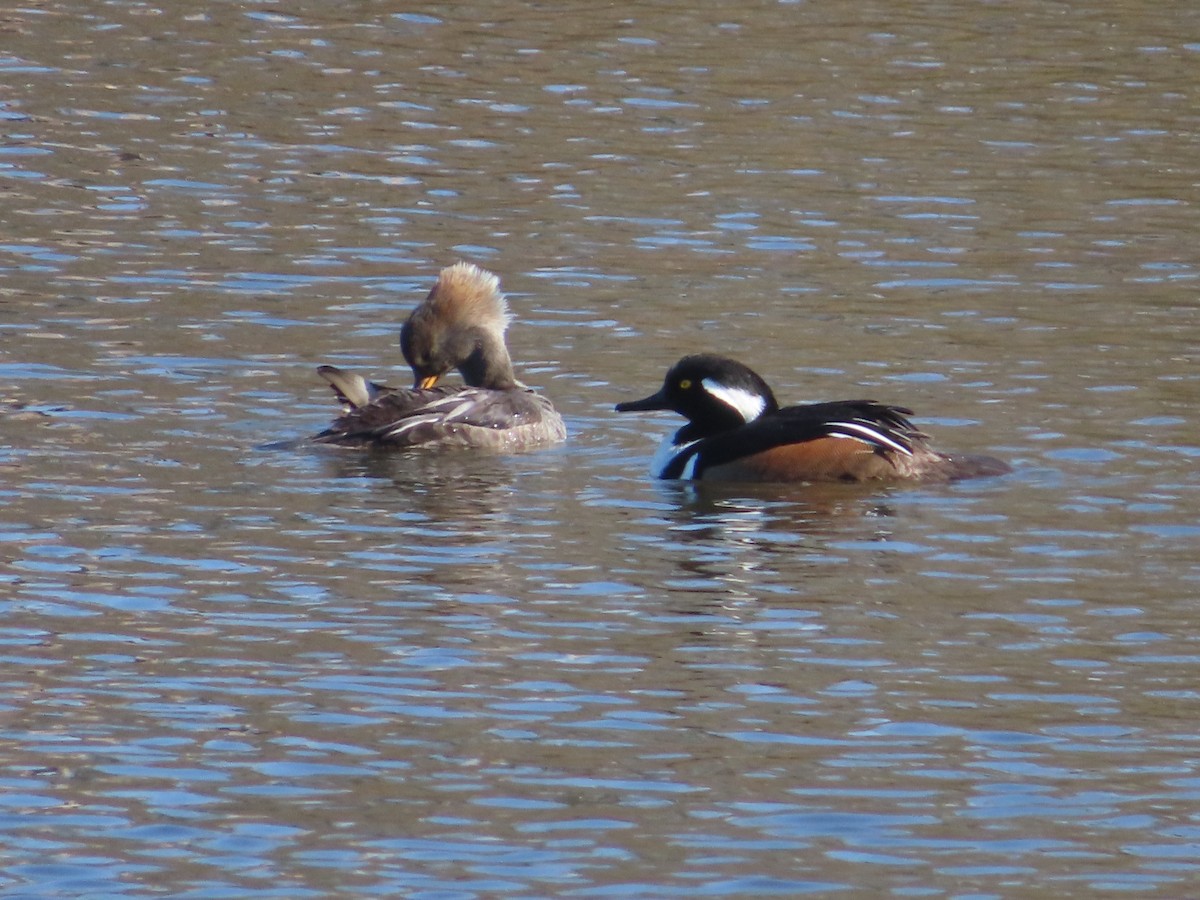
459	416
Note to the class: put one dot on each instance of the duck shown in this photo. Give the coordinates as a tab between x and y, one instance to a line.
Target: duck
460	325
737	431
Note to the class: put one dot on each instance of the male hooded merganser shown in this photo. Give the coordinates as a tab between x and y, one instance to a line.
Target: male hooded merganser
460	325
736	431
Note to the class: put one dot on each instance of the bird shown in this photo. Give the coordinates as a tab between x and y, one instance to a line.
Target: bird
737	431
460	325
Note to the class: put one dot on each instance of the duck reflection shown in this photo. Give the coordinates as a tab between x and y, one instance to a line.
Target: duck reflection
733	542
448	488
763	511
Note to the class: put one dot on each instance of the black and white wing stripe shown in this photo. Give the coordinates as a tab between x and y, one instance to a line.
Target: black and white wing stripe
886	428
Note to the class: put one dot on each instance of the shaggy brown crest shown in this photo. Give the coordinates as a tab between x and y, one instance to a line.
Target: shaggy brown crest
467	294
460	325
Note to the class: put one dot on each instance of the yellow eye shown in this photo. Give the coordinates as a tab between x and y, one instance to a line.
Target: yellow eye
685	384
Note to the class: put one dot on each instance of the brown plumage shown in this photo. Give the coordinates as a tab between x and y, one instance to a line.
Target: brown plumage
819	459
460	325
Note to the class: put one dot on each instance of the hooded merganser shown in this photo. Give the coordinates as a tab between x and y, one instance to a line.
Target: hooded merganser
460	325
736	431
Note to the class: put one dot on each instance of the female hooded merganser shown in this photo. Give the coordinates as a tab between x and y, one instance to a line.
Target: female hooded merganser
460	325
736	431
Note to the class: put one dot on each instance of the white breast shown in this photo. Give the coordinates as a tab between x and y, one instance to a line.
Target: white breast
666	453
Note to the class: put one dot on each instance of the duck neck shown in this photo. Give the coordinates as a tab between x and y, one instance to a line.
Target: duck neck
715	422
488	365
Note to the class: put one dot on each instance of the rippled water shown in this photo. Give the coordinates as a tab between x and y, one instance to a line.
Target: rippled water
240	672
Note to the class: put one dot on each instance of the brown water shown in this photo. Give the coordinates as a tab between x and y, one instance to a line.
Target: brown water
231	672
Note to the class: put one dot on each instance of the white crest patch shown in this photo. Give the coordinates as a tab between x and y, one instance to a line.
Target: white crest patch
748	404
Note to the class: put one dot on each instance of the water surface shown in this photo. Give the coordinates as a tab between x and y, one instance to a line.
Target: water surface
233	672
